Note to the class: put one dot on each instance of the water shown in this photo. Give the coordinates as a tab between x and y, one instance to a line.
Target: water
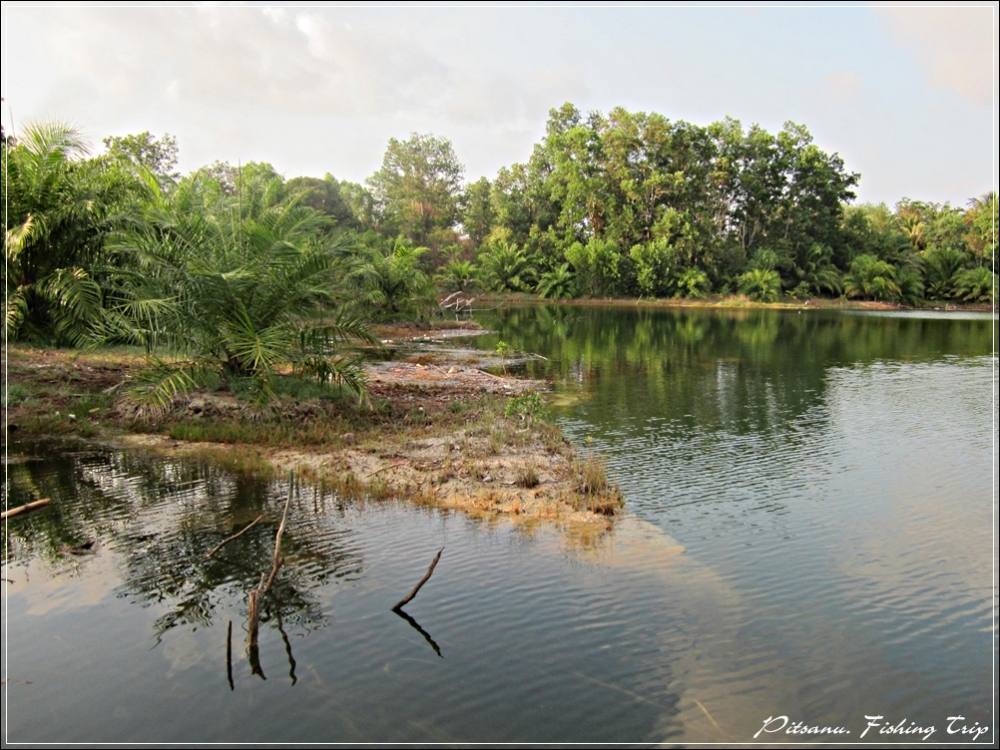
809	533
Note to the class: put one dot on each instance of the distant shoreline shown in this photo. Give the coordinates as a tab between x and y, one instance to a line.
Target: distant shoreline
738	302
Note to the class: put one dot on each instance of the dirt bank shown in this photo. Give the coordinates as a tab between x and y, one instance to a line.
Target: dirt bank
450	436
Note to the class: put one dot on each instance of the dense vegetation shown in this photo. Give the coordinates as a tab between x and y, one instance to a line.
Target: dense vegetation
240	269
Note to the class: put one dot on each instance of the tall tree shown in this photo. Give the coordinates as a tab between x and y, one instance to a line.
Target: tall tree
158	155
416	189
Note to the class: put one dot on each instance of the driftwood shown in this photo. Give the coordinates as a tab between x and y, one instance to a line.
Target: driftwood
430	571
256	595
237	535
27	507
386	468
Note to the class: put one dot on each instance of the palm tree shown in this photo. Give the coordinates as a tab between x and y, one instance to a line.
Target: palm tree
456	276
763	285
941	265
505	267
58	207
392	284
231	298
559	283
872	278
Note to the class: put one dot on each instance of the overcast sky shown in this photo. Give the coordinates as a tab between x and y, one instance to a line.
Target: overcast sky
906	95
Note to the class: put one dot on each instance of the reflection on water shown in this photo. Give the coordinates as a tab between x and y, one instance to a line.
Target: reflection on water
809	535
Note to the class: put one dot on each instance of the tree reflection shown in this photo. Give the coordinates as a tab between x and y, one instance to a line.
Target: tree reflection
735	371
160	517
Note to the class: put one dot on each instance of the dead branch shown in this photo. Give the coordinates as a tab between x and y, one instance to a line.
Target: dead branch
430	571
237	535
386	467
256	595
26	508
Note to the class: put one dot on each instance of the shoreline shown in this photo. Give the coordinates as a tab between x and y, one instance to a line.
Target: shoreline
735	302
456	438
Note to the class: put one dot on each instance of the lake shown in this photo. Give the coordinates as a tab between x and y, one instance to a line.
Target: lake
808	533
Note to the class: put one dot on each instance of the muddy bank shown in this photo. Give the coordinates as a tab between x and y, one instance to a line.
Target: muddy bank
457	378
450	436
436	330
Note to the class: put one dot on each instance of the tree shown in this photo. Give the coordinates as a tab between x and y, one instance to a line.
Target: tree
871	278
59	208
391	283
235	299
505	267
477	211
763	285
158	155
417	187
558	283
325	197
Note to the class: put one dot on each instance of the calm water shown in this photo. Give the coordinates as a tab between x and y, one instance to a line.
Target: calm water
809	533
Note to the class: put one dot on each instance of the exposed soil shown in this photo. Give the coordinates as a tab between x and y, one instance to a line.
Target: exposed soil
434	434
453	378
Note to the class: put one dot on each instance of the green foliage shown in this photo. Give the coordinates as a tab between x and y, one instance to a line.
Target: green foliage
59	208
871	278
977	284
392	284
693	283
526	406
456	276
817	273
328	197
417	187
143	151
762	285
477	211
505	267
941	265
597	267
559	283
655	267
234	298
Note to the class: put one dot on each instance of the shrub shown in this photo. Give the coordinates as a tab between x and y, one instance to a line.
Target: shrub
976	284
871	278
526	406
559	283
596	265
760	285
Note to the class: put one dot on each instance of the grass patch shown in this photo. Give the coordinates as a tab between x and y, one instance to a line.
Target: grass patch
527	477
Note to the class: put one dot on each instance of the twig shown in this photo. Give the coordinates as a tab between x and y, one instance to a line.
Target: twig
34	505
389	466
238	534
430	571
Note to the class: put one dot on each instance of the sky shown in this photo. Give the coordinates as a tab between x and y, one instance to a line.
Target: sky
905	94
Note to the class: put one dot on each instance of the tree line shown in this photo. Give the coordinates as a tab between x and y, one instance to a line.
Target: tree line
248	268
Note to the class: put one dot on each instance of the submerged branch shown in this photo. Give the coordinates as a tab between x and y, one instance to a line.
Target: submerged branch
256	595
237	535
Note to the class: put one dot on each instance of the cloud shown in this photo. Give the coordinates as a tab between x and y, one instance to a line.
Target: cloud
314	88
954	44
843	84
